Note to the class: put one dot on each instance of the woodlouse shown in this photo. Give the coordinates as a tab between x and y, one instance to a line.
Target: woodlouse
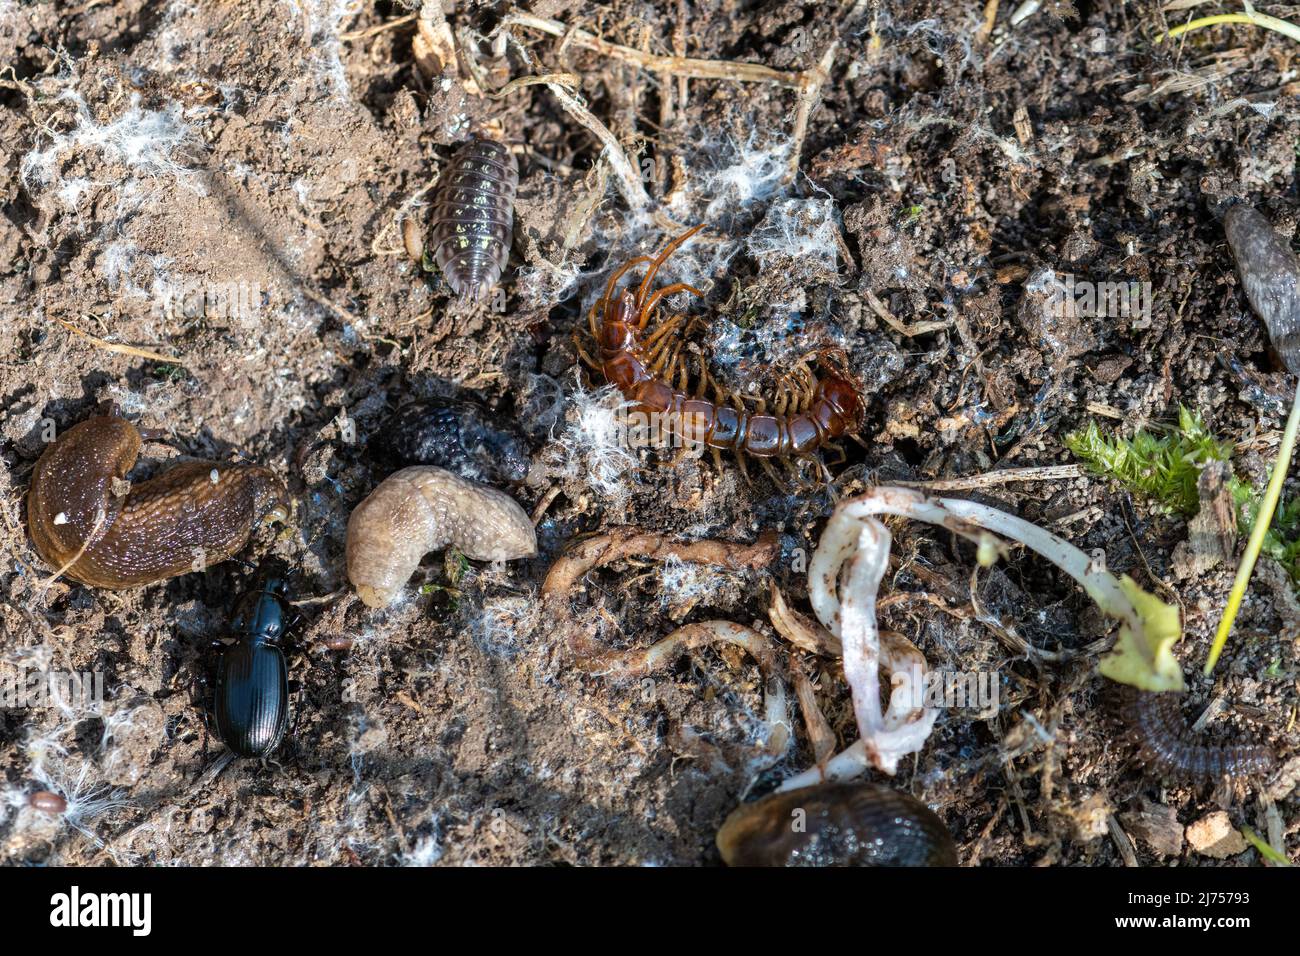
809	412
85	519
836	824
1165	744
473	217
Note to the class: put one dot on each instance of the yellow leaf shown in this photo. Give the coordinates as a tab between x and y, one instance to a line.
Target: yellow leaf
1145	659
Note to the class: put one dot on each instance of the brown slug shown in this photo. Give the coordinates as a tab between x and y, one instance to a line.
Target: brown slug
86	519
836	824
421	509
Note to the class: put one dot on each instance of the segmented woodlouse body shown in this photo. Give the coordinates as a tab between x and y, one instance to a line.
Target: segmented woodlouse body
836	824
473	217
1165	745
810	414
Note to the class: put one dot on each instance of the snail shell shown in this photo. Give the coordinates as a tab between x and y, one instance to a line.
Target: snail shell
422	509
194	514
836	824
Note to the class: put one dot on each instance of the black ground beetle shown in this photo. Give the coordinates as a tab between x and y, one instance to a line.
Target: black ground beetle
252	700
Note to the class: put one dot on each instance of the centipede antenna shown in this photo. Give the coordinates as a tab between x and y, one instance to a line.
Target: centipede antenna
619	273
648	309
668	250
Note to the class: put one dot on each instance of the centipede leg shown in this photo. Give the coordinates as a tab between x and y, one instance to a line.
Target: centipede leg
659	260
829	479
582	354
660	335
744	472
683	376
809	393
775	478
841	454
619	273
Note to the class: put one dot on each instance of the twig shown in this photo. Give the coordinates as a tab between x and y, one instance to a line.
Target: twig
379	28
809	93
1121	841
399	216
898	325
1000	476
591	553
677	65
568	79
990	18
630	183
123	349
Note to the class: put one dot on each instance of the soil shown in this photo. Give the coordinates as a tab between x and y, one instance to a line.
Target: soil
154	152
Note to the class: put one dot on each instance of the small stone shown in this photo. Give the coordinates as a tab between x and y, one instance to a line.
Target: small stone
1214	835
1157	826
1090	818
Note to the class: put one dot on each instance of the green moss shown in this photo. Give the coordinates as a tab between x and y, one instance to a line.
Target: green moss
1164	465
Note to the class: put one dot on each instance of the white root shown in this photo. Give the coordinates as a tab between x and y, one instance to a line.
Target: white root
843	578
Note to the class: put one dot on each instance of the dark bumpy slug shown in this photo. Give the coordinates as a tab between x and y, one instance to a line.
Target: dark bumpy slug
422	509
1270	275
459	435
473	217
1165	745
836	824
82	514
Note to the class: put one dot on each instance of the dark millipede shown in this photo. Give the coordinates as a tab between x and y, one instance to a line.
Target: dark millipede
473	217
1165	744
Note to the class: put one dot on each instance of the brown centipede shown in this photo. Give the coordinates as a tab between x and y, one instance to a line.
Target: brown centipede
1165	745
810	412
